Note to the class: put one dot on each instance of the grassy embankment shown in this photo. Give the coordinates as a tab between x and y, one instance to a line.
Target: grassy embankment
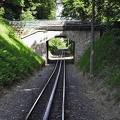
106	59
16	59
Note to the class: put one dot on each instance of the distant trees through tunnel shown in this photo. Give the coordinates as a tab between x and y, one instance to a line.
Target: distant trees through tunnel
55	45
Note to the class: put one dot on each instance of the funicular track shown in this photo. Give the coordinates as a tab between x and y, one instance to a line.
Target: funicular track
50	102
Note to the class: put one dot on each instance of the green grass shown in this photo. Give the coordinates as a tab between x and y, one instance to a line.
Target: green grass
16	59
106	58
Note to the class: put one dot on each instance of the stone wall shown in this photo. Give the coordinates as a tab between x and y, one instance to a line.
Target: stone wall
38	40
82	40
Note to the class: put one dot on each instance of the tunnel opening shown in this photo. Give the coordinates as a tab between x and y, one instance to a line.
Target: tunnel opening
57	44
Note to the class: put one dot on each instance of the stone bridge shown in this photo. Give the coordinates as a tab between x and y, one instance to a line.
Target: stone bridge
38	35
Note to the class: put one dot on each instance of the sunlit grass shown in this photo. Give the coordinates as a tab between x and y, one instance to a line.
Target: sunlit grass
16	59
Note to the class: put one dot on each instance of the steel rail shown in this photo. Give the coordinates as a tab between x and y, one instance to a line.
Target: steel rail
47	111
28	115
63	101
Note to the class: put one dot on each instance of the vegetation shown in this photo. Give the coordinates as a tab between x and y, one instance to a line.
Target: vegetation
16	60
55	44
105	10
106	58
71	48
28	9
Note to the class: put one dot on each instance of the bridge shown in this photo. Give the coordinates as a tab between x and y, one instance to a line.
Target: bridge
35	34
56	25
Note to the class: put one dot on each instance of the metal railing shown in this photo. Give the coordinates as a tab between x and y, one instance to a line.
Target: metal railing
56	24
42	23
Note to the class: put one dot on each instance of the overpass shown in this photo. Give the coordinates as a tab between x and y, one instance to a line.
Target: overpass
35	34
56	25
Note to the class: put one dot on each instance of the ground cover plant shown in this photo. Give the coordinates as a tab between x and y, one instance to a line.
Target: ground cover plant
16	59
106	59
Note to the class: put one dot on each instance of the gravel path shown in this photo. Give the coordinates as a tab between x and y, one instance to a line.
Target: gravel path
16	101
77	106
89	99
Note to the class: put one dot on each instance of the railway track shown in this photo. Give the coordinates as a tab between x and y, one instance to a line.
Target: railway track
50	103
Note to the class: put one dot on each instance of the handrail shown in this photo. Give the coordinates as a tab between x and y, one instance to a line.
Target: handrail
61	24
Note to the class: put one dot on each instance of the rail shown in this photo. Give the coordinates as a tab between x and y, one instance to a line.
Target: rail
36	101
49	103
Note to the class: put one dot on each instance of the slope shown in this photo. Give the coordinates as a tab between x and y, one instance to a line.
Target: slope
106	60
16	59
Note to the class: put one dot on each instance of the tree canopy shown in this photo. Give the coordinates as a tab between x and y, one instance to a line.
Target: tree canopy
105	10
29	9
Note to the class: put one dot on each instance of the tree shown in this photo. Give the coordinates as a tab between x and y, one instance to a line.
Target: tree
111	10
46	10
1	12
29	9
105	10
13	9
77	9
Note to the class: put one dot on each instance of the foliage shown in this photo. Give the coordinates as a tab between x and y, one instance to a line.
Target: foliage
26	15
29	9
46	10
16	2
1	12
105	10
84	61
71	48
16	60
9	14
106	58
76	9
55	44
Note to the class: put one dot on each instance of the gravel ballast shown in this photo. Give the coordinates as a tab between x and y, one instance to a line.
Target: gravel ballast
15	102
81	104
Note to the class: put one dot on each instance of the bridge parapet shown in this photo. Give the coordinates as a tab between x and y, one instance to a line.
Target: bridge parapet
55	25
37	23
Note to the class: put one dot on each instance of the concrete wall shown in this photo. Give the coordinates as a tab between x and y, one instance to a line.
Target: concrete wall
38	40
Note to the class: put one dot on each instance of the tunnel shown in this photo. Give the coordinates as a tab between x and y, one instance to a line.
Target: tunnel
53	51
